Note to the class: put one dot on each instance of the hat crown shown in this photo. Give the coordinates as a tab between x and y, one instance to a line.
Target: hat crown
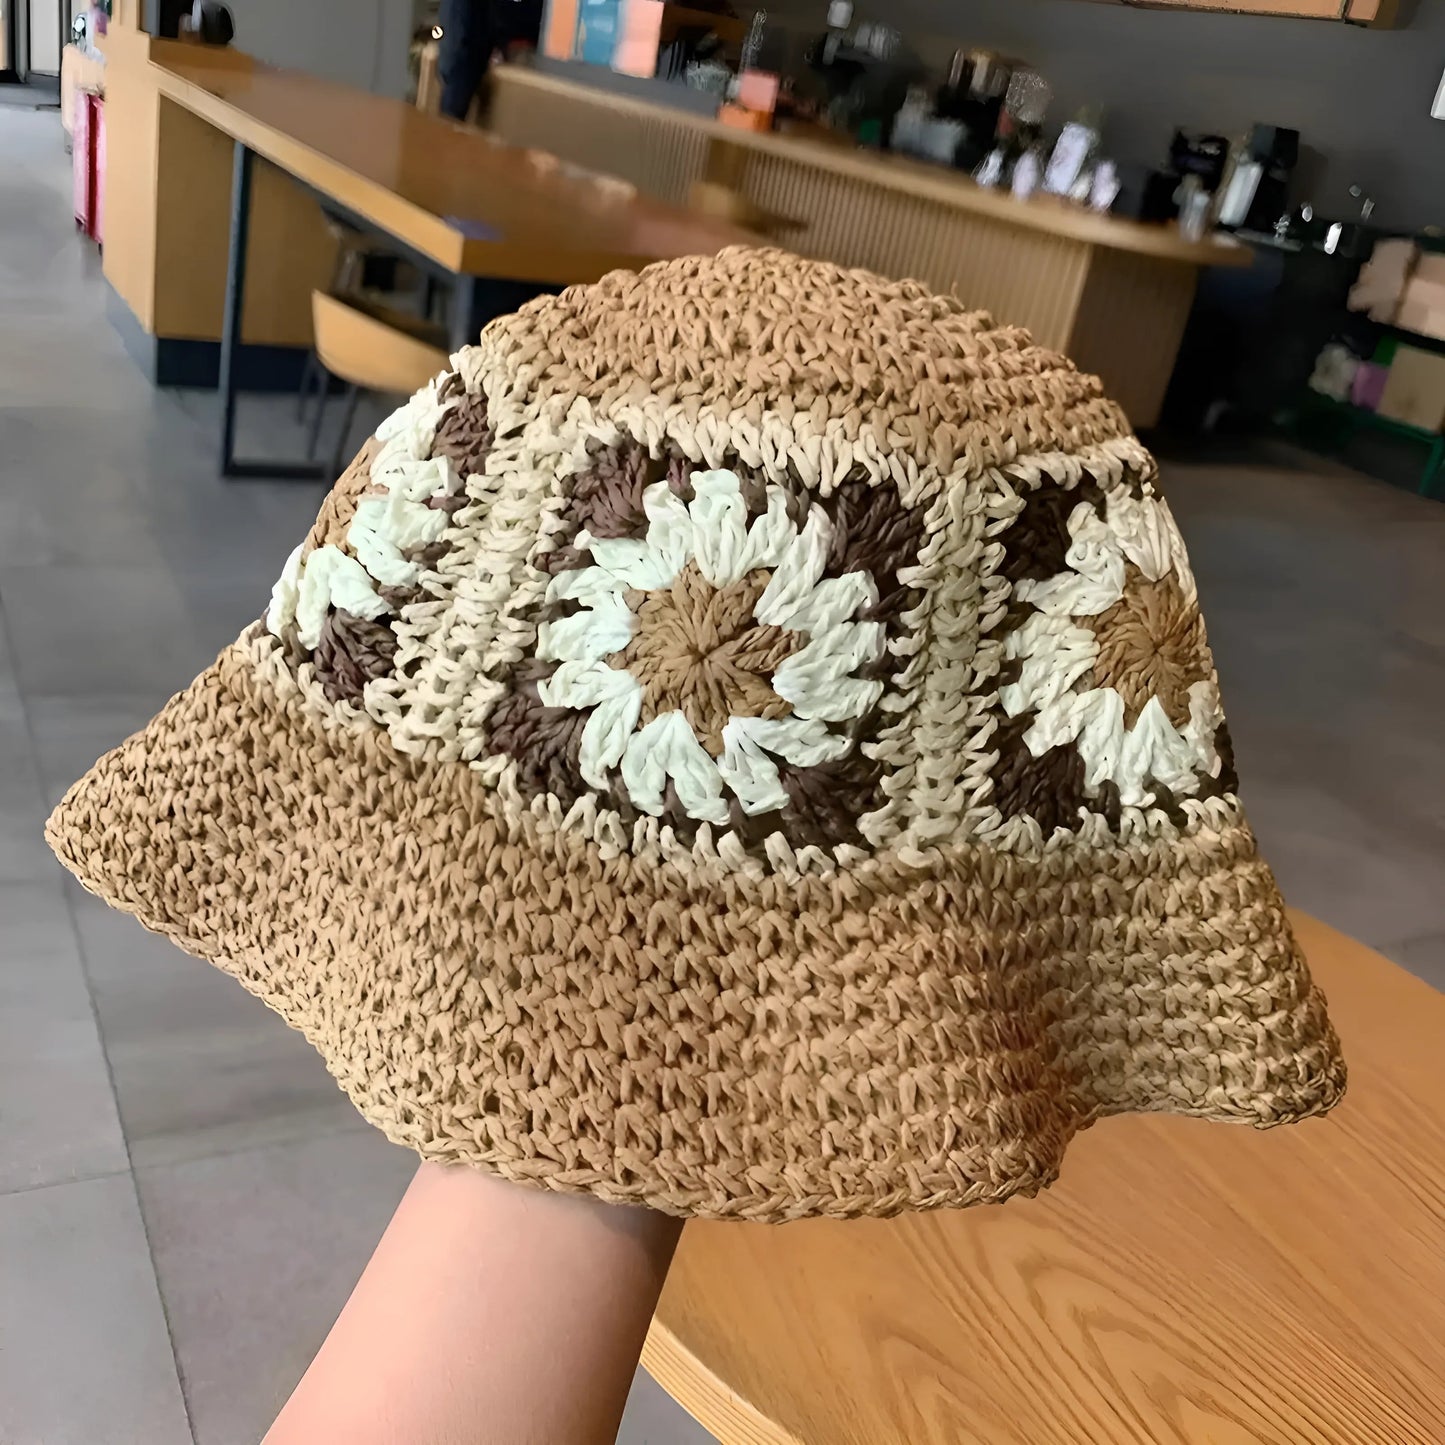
751	562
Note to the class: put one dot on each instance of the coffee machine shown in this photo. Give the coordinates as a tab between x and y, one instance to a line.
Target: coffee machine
1256	193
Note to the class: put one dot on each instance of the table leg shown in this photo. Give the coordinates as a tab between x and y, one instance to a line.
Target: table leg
231	335
235	296
463	306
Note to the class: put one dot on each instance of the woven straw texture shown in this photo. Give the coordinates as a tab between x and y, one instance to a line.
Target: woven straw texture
743	741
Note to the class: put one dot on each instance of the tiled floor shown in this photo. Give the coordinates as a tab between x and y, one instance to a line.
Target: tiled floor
185	1199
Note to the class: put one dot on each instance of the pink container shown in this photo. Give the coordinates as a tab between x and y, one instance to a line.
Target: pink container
97	128
87	156
82	157
1369	385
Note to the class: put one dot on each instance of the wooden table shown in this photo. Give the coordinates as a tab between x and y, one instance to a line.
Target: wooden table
1184	1282
459	203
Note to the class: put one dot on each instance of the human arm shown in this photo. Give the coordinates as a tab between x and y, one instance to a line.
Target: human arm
490	1314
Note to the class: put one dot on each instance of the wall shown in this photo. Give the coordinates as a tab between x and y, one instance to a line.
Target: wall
1360	98
358	42
44	36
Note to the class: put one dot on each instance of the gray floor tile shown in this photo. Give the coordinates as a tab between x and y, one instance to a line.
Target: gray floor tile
653	1417
93	517
90	629
256	1253
200	1066
57	1116
23	854
84	1356
70	733
1324	595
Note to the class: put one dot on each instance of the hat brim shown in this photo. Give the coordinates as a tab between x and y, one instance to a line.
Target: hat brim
504	996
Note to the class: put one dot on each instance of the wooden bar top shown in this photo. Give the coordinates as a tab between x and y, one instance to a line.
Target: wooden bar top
917	178
456	194
1184	1281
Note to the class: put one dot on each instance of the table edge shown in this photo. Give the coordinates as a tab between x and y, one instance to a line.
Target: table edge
715	1405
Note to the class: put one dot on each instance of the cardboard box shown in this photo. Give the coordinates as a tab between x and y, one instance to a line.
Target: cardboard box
1421	318
1383	278
1424	292
1415	389
1430	268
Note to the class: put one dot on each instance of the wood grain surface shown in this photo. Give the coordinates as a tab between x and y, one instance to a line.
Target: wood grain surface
909	177
467	200
1185	1283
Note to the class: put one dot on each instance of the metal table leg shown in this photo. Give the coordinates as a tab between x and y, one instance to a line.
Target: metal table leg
463	306
231	335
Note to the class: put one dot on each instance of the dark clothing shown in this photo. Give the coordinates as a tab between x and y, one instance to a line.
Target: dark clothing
466	49
471	31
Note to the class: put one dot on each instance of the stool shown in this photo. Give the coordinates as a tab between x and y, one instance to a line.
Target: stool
371	347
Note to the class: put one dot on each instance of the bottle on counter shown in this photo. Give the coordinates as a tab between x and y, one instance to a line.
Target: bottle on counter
1028	172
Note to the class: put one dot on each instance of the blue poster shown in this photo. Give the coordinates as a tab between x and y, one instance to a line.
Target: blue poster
597	22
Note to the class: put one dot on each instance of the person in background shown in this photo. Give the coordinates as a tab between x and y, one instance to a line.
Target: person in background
472	31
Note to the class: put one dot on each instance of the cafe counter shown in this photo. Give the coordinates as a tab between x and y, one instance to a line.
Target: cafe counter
1110	293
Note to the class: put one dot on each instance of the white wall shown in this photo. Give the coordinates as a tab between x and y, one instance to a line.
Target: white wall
45	36
360	42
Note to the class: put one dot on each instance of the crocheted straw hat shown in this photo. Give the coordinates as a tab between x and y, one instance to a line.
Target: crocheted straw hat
743	742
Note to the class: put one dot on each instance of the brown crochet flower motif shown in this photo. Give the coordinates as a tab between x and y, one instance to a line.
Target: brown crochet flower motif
1150	644
713	648
699	651
1107	694
343	590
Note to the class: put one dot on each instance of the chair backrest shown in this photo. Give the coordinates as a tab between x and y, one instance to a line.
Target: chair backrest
368	352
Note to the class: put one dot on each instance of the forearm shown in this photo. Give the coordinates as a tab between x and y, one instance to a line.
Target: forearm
490	1314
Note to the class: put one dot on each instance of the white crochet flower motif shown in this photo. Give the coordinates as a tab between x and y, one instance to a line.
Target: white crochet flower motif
816	683
389	523
1123	621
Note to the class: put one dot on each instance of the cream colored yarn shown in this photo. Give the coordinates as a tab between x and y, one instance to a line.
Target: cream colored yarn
742	742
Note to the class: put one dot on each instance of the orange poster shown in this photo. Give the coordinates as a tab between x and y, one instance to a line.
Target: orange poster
561	36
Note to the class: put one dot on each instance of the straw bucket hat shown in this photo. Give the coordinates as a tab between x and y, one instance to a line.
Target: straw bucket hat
742	742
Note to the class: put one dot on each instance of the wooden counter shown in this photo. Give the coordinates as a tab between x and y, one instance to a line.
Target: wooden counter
908	177
1112	294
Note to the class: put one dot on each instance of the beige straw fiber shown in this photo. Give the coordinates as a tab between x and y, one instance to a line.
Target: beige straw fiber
742	742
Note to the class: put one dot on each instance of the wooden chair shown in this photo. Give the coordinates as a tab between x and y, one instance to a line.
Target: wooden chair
354	248
371	348
1183	1281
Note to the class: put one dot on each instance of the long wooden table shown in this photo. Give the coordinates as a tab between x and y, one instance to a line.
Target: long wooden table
461	204
1184	1282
